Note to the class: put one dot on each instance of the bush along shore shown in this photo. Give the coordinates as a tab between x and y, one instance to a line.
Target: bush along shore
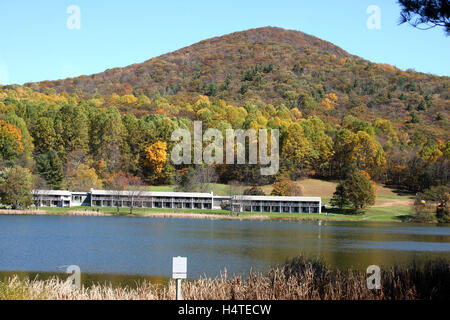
298	279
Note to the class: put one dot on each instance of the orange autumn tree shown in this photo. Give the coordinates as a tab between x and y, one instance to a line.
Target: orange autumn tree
156	156
10	141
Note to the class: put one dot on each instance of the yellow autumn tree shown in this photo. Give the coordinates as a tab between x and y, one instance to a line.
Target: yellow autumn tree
430	152
329	101
128	99
368	153
297	114
156	155
297	148
385	126
201	102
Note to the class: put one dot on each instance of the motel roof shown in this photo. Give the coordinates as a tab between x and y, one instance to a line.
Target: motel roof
52	192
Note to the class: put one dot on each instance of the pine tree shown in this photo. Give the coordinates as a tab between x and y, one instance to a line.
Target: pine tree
339	199
50	167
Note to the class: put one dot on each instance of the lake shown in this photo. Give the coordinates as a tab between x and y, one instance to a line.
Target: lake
145	246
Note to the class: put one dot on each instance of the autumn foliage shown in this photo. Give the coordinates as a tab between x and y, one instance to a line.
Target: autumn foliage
10	141
336	114
157	155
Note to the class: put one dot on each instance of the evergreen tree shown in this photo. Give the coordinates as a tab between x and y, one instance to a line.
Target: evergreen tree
340	196
50	166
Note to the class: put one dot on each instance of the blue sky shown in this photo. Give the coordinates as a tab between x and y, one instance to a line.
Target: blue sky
35	43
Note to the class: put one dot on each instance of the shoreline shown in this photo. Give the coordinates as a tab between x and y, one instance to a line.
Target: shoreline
38	212
149	215
210	216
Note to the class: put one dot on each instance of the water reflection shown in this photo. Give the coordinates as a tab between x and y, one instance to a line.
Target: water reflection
143	246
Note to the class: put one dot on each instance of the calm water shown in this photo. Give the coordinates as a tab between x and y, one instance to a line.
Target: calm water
145	246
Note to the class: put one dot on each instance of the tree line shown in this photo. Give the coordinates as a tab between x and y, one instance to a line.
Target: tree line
59	141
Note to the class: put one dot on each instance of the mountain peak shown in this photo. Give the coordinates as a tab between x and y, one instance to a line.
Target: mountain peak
277	35
210	61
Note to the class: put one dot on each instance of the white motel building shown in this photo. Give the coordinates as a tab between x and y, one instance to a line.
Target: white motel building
176	200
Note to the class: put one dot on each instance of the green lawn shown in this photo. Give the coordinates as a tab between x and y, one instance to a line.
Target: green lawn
167	188
391	213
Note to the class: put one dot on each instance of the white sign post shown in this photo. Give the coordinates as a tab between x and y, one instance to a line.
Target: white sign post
179	271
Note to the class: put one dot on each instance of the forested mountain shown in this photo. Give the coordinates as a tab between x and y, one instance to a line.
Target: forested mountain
335	112
274	66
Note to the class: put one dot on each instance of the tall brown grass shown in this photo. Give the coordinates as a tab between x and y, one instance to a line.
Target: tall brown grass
203	216
42	212
22	212
299	278
86	213
147	215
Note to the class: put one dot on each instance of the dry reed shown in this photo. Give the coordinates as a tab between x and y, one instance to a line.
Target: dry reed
298	279
41	212
22	212
203	216
87	213
147	215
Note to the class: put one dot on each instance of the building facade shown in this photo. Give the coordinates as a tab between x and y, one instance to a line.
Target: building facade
147	199
52	198
276	204
176	200
60	198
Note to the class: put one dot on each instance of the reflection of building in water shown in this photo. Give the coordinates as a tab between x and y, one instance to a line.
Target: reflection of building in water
176	200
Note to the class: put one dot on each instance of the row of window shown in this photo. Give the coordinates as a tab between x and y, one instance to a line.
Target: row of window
146	204
125	198
279	203
281	210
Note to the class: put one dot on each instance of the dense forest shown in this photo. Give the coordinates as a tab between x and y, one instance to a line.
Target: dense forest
335	113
